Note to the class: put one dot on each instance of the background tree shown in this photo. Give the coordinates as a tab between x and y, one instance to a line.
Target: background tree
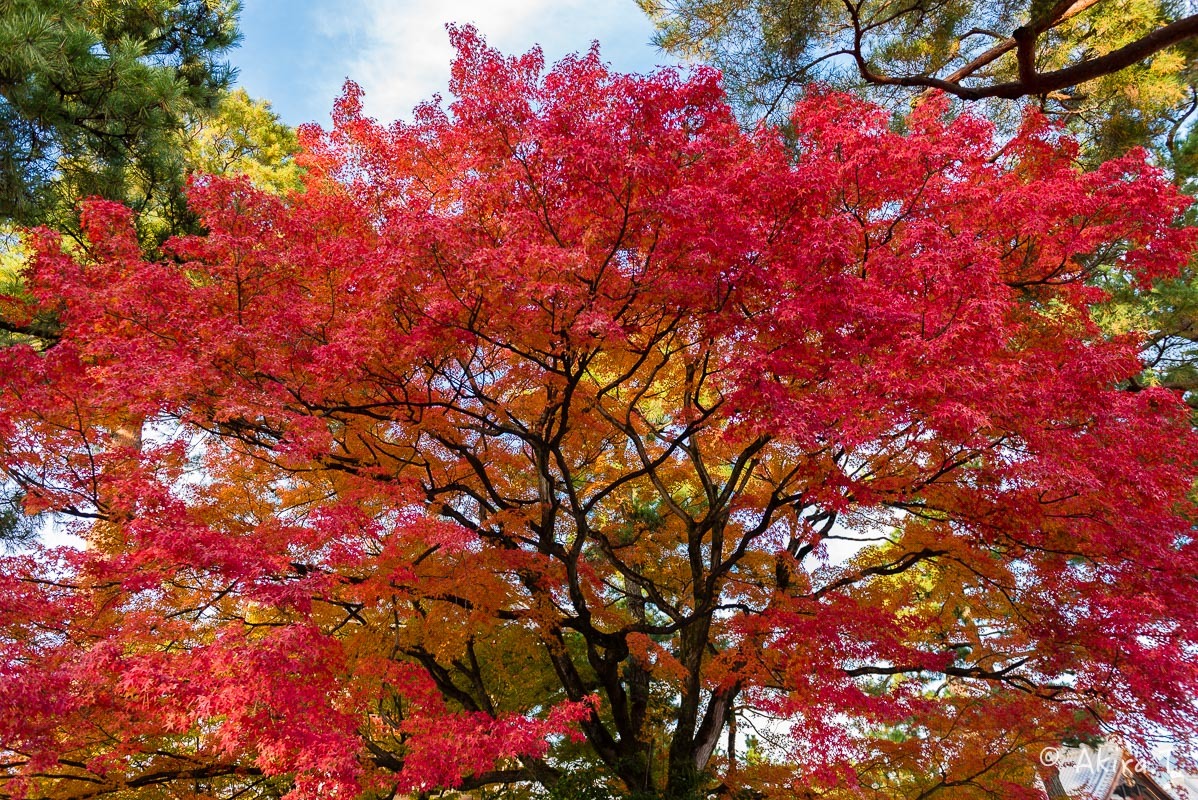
516	445
244	137
93	96
1118	74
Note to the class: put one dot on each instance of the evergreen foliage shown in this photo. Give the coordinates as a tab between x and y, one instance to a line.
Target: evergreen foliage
93	96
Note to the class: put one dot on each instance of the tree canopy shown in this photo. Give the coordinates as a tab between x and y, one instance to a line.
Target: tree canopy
121	100
1117	75
553	433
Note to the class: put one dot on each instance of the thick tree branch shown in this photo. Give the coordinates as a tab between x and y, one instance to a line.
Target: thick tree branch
1031	82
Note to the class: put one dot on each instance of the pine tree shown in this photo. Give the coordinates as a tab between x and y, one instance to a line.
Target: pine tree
93	96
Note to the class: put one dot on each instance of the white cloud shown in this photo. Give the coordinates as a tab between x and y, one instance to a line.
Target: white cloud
399	52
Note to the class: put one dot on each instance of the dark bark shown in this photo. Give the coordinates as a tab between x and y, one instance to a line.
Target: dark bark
1030	82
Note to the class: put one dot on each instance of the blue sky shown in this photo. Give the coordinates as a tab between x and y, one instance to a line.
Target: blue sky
297	53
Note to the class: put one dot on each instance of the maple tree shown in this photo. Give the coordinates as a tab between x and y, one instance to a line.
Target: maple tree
1116	74
555	433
